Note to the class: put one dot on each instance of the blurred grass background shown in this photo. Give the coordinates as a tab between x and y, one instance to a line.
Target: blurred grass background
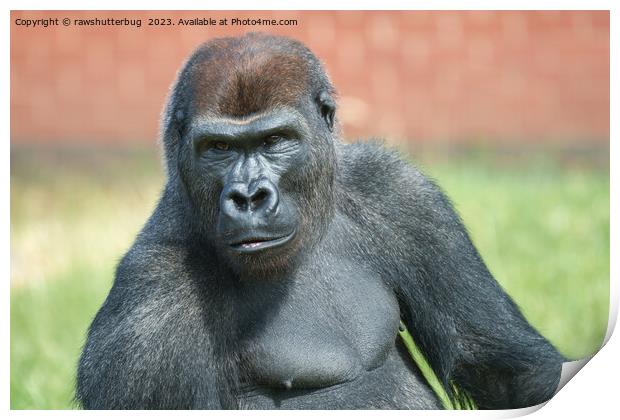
540	222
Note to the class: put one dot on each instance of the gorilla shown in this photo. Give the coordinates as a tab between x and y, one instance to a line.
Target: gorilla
279	263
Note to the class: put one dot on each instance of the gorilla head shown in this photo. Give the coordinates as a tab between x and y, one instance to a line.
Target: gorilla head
248	134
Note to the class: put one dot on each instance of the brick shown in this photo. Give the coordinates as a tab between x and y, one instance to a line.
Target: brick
414	75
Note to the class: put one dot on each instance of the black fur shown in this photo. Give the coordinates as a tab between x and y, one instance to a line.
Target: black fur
189	323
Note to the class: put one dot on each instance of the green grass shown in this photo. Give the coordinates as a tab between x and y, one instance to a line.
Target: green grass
541	226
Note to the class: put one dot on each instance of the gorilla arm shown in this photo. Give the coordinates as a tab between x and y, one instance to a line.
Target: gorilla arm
470	330
147	347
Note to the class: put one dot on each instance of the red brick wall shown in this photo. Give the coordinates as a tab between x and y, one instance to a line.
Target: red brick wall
410	76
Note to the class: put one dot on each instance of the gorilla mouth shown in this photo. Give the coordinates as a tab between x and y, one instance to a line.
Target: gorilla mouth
254	244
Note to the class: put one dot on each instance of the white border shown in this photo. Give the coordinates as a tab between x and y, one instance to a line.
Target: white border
593	393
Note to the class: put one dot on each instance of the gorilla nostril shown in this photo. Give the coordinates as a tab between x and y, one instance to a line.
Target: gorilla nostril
240	201
259	198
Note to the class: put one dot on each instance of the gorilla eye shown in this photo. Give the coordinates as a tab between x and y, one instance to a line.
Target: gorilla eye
221	145
271	140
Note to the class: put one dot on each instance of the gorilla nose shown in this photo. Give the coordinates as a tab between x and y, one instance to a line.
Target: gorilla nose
259	197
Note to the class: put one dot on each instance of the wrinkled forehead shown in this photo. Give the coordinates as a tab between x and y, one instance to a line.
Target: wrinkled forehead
233	82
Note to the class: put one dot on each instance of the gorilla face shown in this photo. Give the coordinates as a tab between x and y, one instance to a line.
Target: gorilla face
256	151
253	162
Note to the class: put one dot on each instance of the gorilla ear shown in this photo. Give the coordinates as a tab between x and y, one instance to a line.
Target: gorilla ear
327	108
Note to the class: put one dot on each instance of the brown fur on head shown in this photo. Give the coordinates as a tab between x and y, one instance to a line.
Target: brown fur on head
256	72
241	77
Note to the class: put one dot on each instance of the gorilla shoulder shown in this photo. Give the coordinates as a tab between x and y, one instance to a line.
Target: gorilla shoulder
381	179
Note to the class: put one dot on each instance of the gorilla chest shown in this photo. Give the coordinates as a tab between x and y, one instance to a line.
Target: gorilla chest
328	329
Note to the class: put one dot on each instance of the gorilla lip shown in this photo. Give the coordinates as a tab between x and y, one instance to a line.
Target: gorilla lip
255	244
